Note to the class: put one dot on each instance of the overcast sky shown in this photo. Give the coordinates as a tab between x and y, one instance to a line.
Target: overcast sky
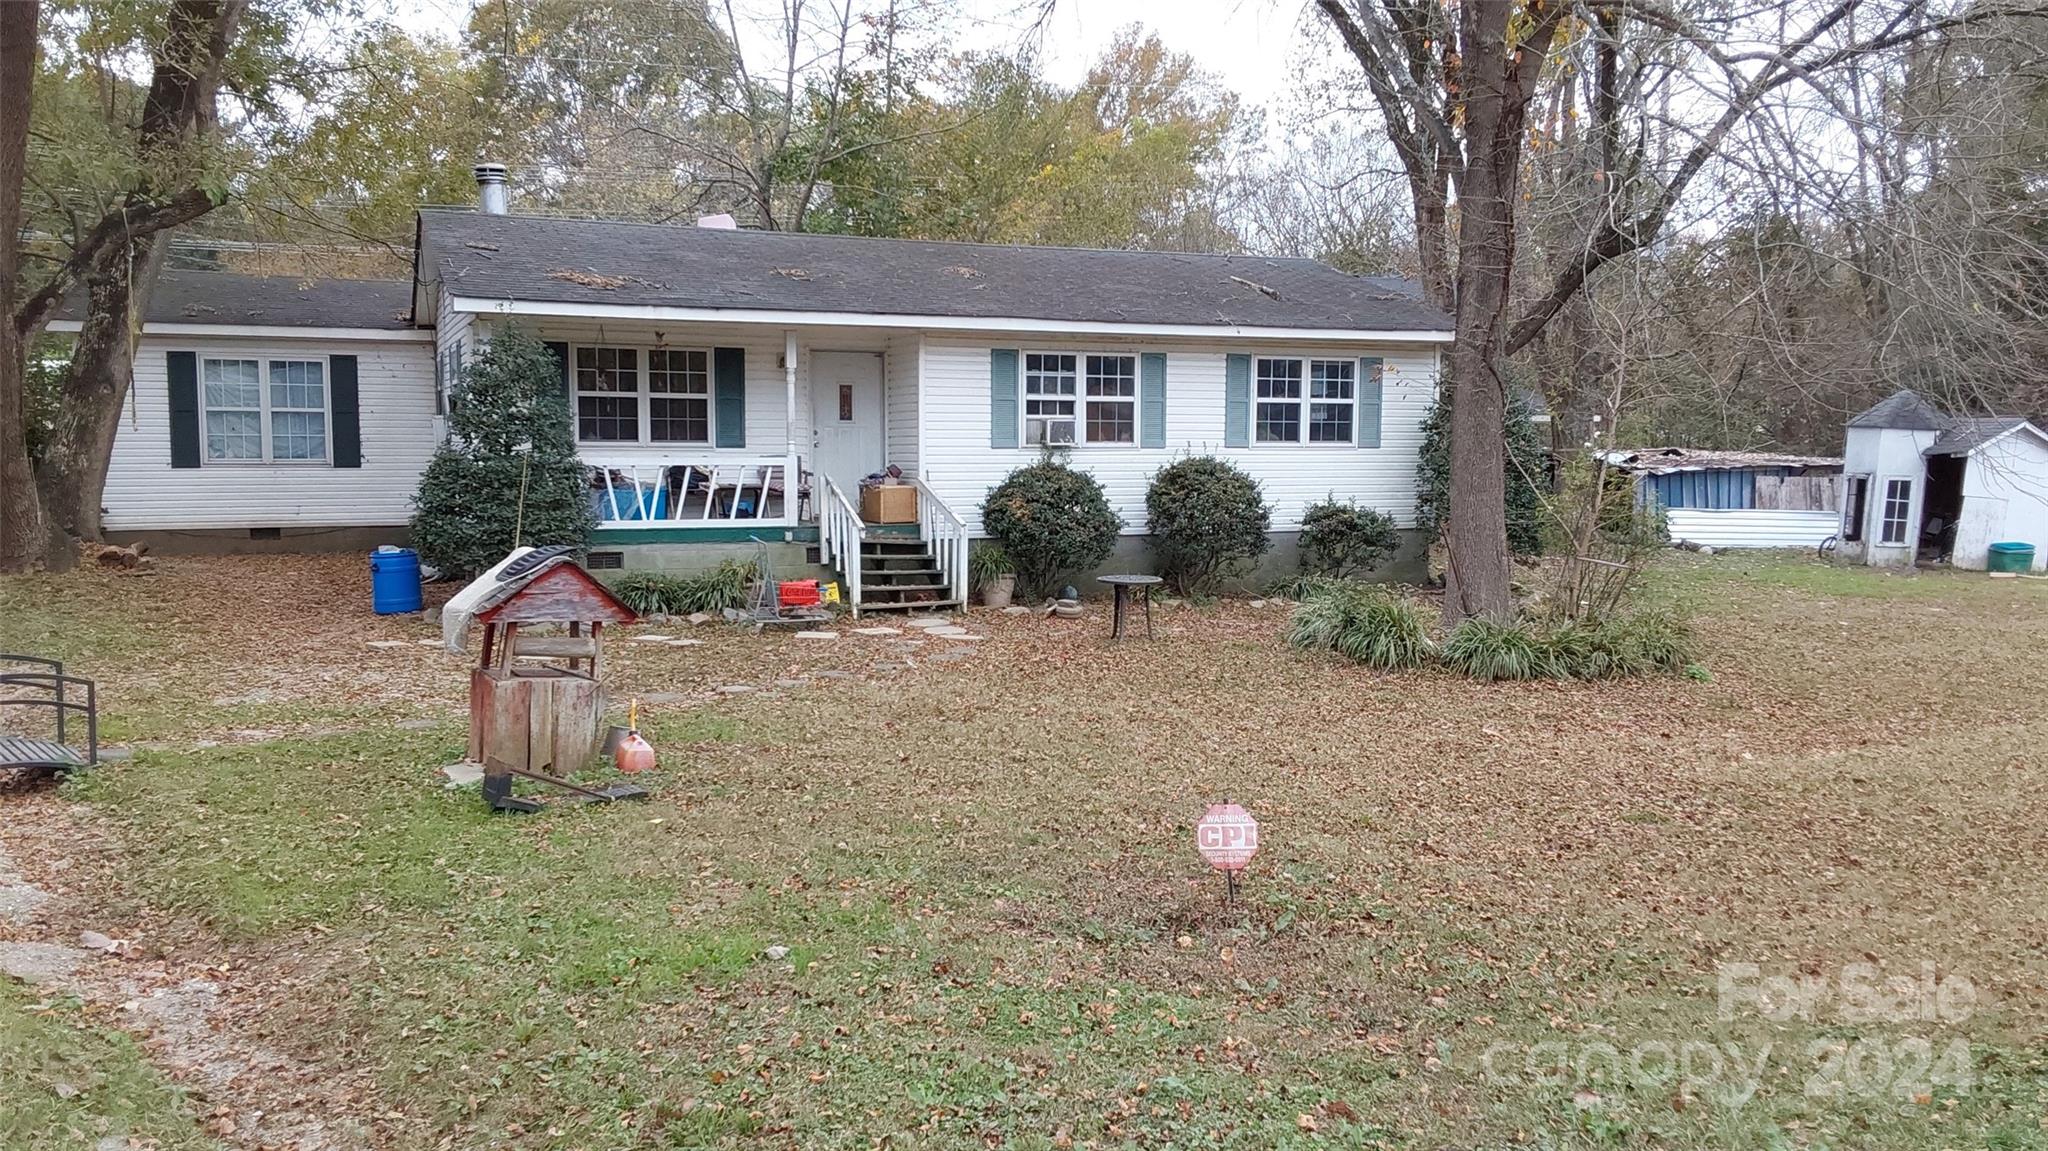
1248	44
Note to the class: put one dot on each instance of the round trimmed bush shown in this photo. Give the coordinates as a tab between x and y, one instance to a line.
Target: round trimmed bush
1343	539
1207	517
1051	520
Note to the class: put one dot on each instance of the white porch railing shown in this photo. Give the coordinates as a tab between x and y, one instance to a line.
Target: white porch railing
839	536
946	534
706	492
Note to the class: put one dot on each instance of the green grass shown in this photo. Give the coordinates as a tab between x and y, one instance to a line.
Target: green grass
996	931
68	1081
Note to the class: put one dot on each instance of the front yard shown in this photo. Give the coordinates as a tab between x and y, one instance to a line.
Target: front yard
884	899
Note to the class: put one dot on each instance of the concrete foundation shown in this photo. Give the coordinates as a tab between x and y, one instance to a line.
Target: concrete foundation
264	541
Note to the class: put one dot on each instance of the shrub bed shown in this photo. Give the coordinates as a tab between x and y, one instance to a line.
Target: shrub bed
1343	539
1375	627
722	587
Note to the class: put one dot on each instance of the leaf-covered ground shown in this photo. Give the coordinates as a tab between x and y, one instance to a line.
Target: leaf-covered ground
1483	915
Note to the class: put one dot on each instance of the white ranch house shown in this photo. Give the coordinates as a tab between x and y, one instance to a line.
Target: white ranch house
731	386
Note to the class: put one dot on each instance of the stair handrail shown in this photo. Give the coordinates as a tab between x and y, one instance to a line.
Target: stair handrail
941	527
839	530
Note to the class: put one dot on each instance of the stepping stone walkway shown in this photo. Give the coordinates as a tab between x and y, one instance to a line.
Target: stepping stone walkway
666	697
388	644
929	621
735	689
462	774
835	674
654	639
962	636
877	631
686	643
817	635
950	631
1017	611
955	655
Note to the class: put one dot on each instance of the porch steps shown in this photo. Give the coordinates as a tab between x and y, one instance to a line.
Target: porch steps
900	573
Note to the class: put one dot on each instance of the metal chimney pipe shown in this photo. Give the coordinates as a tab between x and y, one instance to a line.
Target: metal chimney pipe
490	189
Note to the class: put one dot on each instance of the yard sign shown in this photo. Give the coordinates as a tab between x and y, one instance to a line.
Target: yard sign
1227	837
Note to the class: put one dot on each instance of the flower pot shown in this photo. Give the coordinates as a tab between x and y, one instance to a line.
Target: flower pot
997	592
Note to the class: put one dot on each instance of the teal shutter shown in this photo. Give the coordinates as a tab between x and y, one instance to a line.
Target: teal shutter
1237	401
1152	400
1369	371
344	401
729	390
182	368
1002	398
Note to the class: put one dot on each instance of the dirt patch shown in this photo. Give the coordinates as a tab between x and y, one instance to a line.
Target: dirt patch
189	1024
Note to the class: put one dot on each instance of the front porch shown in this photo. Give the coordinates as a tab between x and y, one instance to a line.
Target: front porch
742	434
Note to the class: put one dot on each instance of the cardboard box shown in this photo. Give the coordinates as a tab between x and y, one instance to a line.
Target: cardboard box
889	504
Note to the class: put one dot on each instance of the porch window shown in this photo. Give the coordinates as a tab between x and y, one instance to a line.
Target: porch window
1050	384
249	421
608	394
1112	399
1320	414
1898	500
679	396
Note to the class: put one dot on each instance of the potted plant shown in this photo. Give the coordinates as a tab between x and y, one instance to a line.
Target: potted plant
990	570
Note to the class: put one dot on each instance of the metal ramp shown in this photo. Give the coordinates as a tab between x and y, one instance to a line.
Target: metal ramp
27	759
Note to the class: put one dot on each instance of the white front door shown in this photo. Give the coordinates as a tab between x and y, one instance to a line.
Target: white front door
846	418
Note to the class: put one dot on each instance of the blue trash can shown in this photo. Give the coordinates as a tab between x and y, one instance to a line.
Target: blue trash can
394	580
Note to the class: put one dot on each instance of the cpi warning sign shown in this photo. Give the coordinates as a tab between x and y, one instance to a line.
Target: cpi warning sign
1227	836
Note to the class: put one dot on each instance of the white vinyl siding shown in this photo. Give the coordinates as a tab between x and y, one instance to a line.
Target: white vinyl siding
395	386
899	402
959	464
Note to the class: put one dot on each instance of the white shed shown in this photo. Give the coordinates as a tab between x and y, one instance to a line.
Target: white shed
1918	484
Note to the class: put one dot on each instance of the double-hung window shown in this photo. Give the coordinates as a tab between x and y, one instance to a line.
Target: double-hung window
1898	502
1305	401
1112	399
1050	384
608	394
679	396
258	410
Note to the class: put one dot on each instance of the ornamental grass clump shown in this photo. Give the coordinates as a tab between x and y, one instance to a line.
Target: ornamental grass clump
1363	623
1486	650
715	590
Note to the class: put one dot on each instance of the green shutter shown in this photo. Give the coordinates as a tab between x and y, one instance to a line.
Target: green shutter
1002	398
1369	371
345	404
729	389
1237	401
182	369
559	351
1152	400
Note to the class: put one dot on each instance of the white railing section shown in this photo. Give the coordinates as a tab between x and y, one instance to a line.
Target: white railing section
703	492
946	533
839	535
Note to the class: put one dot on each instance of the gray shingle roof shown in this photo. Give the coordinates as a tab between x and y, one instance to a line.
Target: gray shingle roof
1966	434
193	297
544	259
1902	409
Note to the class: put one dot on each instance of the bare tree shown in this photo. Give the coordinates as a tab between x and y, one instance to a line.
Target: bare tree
1456	83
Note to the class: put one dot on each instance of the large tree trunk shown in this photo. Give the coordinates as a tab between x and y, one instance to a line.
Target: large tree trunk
72	475
20	526
1500	81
